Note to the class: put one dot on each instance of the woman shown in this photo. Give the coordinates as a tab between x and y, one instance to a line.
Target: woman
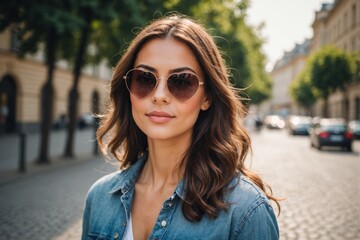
175	118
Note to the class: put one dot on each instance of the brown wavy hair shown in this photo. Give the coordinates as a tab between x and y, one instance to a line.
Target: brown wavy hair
219	142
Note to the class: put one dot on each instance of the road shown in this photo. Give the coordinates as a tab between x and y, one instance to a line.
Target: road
321	191
321	188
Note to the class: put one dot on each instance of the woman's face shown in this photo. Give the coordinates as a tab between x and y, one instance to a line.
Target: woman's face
160	115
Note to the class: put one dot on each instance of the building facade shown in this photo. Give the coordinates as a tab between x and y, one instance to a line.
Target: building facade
338	24
21	81
285	71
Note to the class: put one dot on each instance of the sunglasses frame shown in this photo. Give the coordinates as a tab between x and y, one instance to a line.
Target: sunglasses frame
201	83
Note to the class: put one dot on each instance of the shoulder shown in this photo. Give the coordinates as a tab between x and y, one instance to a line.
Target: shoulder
251	211
121	180
107	181
105	184
243	191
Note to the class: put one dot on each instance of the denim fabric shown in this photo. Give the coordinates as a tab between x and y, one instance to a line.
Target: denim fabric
108	204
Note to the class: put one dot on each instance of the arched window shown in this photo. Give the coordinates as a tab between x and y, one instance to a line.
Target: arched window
7	105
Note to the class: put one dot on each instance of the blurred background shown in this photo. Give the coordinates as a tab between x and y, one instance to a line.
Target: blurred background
299	65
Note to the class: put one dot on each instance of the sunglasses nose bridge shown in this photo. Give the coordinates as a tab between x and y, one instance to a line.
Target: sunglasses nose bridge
161	89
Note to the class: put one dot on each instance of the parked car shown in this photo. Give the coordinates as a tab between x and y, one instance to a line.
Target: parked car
354	127
331	132
299	125
86	120
274	122
60	122
252	122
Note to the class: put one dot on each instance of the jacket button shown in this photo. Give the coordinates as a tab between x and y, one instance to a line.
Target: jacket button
116	235
163	223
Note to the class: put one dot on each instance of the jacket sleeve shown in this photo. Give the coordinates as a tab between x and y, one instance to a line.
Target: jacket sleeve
86	217
260	223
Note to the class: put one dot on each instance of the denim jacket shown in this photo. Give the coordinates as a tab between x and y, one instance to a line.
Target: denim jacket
108	205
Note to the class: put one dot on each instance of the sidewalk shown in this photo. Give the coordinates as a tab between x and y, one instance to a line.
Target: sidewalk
10	152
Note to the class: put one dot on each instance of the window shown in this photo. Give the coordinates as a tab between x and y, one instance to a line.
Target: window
14	41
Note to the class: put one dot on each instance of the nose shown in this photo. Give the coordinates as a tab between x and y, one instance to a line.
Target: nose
161	95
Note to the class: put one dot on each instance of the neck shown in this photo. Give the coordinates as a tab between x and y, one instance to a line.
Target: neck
163	167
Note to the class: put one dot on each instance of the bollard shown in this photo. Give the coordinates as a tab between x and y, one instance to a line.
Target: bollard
22	159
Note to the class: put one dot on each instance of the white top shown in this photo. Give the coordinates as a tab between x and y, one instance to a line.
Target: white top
129	231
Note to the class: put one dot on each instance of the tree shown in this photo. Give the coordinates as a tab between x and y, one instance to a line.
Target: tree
66	27
355	57
302	91
87	11
241	45
113	37
330	69
40	22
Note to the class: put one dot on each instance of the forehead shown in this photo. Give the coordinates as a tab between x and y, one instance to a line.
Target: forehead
167	54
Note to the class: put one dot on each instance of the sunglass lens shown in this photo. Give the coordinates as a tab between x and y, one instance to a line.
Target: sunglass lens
140	83
183	86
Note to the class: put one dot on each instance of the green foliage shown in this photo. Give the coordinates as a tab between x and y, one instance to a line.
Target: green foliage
302	90
240	44
355	65
35	20
225	20
330	69
113	24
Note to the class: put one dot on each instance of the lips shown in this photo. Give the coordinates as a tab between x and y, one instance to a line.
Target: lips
159	117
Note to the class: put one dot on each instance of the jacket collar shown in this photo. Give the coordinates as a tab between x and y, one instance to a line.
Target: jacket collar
126	179
180	190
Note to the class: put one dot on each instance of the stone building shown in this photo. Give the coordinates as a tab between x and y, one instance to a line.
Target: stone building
21	81
336	23
339	24
285	71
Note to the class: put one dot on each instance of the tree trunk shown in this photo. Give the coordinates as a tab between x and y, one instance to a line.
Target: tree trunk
74	92
47	98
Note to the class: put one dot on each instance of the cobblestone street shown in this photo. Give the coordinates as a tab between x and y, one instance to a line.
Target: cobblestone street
48	205
321	191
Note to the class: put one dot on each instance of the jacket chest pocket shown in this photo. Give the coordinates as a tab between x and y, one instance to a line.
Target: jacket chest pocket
94	236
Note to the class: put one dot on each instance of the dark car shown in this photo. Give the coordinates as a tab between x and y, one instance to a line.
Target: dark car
354	127
299	125
86	120
331	132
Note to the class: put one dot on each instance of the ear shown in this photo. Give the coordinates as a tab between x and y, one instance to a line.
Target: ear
206	104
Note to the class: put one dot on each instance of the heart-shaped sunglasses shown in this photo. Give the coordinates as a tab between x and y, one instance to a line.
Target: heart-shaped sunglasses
181	85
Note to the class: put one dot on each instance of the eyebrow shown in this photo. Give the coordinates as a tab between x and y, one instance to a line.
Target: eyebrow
176	70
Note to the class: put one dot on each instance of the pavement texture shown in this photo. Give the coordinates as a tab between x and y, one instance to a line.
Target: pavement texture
321	188
48	204
321	191
84	145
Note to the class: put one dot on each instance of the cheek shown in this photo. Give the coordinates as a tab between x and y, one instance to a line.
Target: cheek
136	109
191	110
